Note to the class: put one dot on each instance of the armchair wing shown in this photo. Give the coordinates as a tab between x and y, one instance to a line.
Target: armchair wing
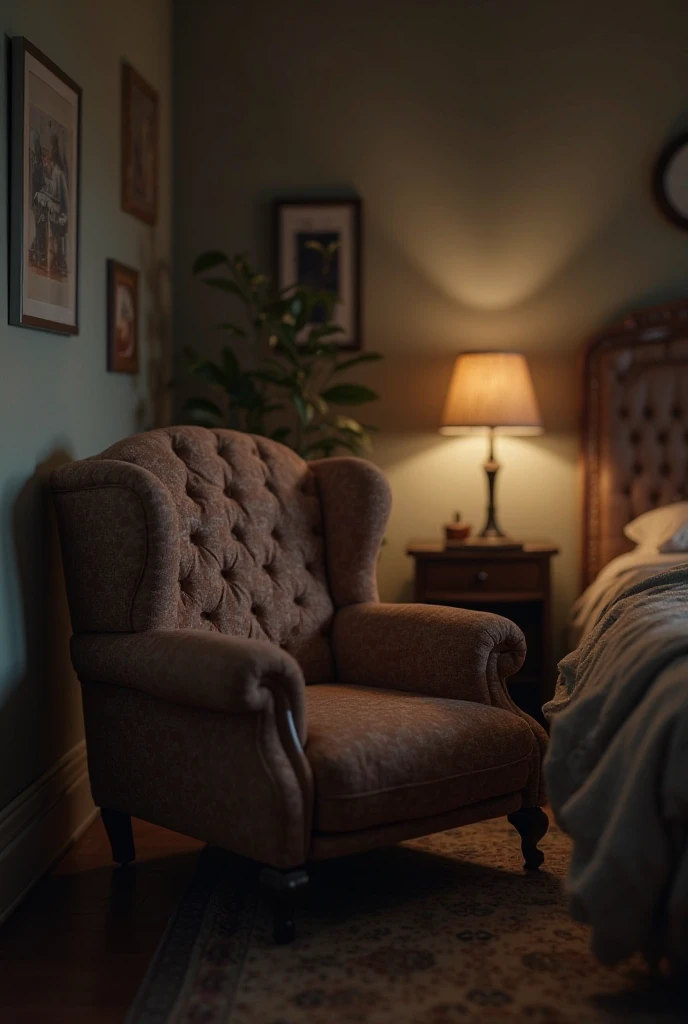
200	732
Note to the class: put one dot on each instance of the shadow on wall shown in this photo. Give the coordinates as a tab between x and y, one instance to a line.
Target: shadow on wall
40	717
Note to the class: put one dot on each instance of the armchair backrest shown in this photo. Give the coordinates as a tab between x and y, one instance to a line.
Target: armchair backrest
187	527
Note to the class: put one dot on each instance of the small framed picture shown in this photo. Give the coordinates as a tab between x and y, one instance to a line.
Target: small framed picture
45	173
123	318
318	243
139	146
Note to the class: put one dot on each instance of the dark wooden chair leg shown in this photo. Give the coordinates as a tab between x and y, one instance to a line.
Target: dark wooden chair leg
531	823
282	890
118	828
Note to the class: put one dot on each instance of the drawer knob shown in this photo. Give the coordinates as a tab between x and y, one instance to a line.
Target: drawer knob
482	576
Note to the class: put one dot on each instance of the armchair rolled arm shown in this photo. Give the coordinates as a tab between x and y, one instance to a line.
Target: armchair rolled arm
431	649
187	666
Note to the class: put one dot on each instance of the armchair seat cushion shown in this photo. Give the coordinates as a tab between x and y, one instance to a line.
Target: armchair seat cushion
384	756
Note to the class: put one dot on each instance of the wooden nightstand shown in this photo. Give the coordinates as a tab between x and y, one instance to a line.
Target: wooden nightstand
513	583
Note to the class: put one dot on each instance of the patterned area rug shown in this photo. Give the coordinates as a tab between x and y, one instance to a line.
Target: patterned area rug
436	931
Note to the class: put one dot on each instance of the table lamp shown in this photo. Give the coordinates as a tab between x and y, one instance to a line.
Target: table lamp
491	392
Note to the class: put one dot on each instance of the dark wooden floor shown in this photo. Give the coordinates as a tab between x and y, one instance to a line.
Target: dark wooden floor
77	948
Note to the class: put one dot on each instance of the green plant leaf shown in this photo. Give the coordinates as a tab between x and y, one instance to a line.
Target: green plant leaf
286	337
277	377
349	394
322	448
348	424
203	408
280	434
208	260
321	350
231	369
328	299
365	357
207	370
224	284
324	331
303	408
232	330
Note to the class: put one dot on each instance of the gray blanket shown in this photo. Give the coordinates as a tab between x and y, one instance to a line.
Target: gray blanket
617	772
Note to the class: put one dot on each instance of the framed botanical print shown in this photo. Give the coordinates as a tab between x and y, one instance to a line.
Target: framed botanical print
318	243
139	146
45	147
123	318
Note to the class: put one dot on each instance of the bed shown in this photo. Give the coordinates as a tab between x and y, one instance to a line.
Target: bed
634	452
617	766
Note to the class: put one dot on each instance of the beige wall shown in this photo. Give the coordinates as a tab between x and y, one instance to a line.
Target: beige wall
503	152
56	399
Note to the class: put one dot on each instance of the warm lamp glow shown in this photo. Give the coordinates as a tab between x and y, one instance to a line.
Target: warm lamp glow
491	390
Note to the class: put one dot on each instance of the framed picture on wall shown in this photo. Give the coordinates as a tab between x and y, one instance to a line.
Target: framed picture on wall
318	243
139	146
123	318
45	147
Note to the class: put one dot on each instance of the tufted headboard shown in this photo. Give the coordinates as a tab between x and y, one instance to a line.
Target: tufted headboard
635	427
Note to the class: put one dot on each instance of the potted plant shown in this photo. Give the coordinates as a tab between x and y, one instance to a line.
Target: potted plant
296	392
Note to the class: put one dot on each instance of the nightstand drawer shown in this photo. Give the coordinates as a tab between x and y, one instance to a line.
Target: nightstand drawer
484	576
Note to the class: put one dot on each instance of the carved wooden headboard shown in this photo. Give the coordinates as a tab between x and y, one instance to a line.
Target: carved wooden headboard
635	427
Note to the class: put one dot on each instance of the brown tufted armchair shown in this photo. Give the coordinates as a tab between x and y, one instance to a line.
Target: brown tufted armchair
243	684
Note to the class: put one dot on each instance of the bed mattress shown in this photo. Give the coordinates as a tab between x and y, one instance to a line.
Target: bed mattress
618	575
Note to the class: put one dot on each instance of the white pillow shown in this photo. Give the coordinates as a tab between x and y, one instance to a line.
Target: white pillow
665	529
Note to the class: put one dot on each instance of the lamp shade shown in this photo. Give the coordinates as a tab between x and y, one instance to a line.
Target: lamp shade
491	390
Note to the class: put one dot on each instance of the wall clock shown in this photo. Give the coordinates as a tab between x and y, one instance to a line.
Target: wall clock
671	181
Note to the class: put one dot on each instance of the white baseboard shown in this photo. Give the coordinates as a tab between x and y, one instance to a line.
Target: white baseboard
41	824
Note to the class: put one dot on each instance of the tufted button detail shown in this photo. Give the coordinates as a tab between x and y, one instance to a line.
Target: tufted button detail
634	437
665	469
626	491
648	412
662	437
676	412
229	562
637	469
654	497
623	412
